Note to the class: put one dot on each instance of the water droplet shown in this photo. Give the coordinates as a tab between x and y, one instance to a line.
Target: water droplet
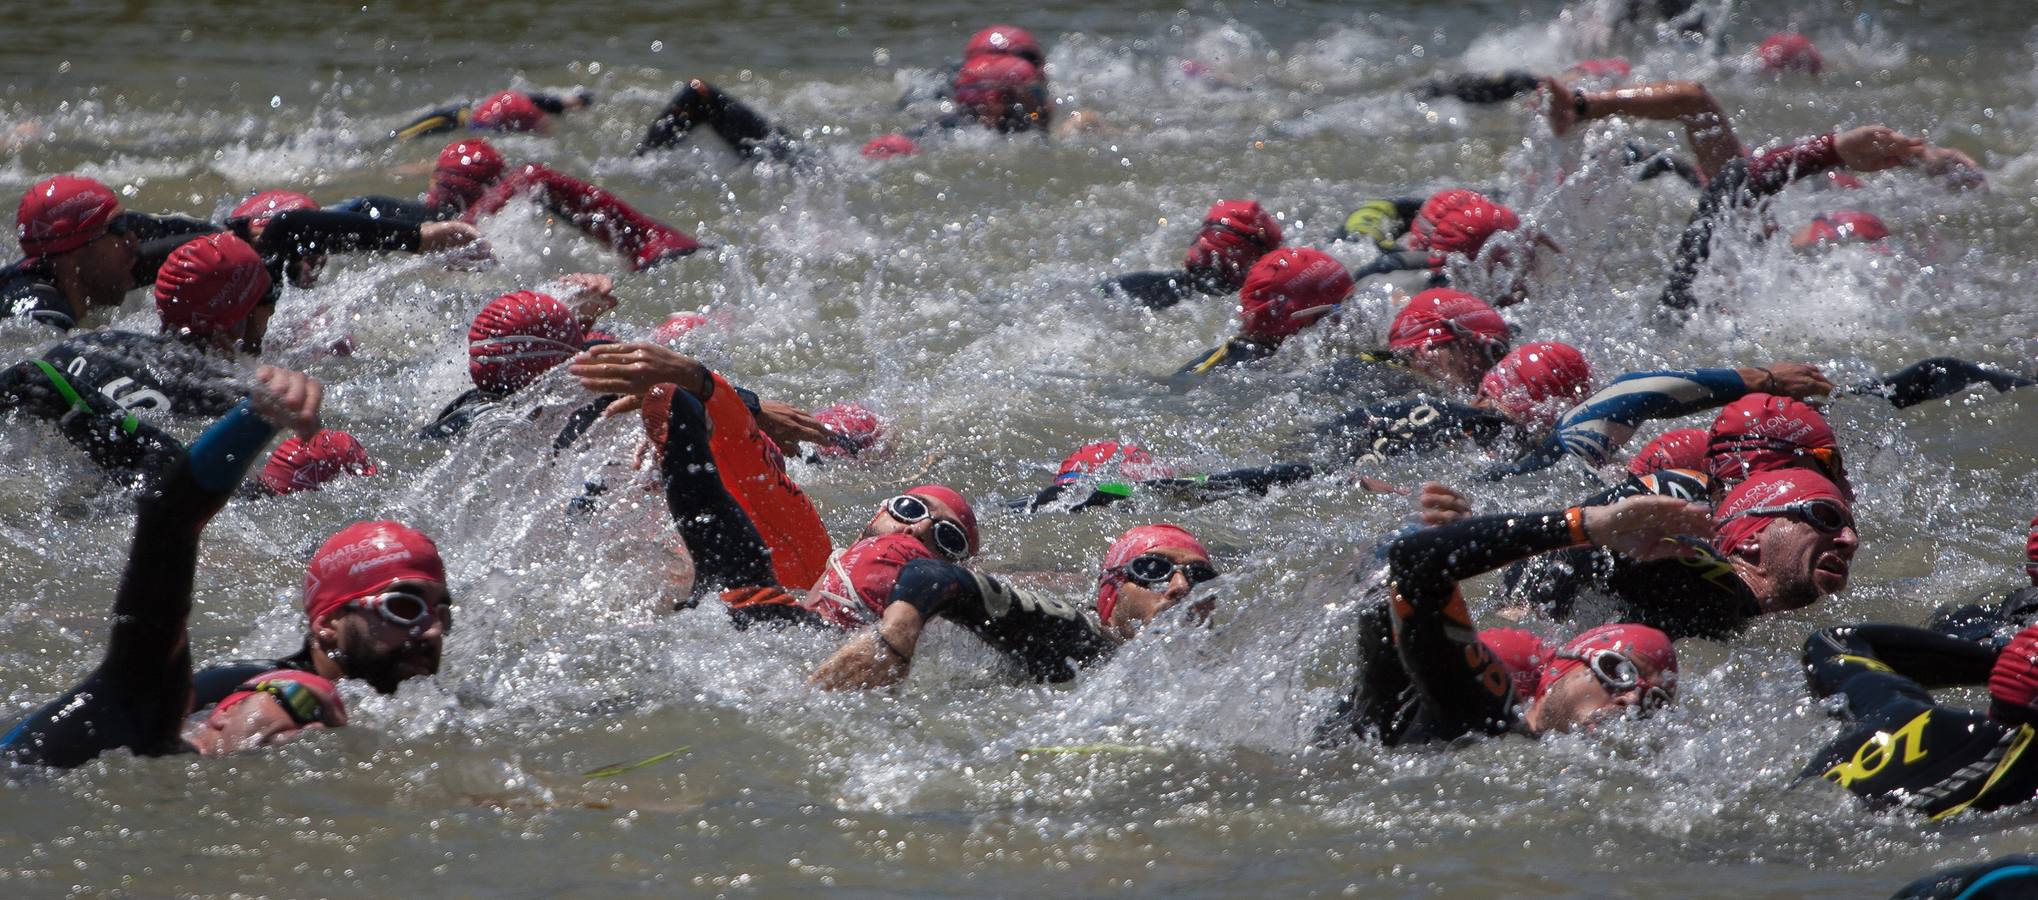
658	46
275	102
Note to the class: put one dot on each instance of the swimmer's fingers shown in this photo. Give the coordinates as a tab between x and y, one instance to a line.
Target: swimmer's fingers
434	237
636	368
287	399
1377	486
1555	98
626	404
1438	504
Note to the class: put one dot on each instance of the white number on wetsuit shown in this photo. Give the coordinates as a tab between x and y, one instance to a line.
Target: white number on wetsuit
139	398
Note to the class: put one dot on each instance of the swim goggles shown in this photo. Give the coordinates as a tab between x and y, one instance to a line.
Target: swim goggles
399	608
1618	673
948	536
1825	515
1828	458
1154	571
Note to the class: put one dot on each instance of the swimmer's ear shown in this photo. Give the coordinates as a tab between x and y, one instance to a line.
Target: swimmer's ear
325	633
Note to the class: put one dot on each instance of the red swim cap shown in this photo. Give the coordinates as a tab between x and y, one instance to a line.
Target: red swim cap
2013	683
508	111
1440	316
1131	460
259	208
1766	489
1132	544
964	513
1682	448
1606	67
1235	234
1789	51
1005	40
318	701
1760	432
465	170
890	146
677	326
303	465
209	284
1842	226
1640	643
61	214
855	427
364	559
1523	655
1289	289
858	583
1458	221
518	337
990	86
1536	383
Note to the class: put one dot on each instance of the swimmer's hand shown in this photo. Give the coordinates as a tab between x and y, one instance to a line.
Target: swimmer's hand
437	237
287	399
634	369
787	425
1439	504
1787	379
1647	526
592	295
1960	170
1872	148
878	658
1554	98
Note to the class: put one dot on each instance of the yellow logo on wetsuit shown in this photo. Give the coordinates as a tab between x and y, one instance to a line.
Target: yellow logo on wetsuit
1875	752
1377	221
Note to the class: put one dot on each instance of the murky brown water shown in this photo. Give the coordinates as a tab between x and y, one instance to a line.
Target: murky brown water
952	292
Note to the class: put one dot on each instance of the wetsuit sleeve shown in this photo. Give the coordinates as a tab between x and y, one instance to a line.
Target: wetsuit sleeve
1927	659
1382	430
1596	429
1154	290
727	551
2007	878
299	232
1236	351
139	694
1654	163
111	436
1464	687
1394	261
382	207
698	103
1740	184
437	121
578	422
27	293
1046	636
159	236
1479	87
1380	222
1940	376
552	104
596	212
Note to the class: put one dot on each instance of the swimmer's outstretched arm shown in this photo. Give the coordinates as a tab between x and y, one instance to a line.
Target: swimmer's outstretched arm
1940	376
138	696
700	103
1688	102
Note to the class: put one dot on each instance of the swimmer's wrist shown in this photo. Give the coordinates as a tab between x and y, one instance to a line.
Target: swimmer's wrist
1580	104
1575	519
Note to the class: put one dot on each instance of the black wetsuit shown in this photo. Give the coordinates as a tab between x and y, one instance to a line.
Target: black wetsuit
140	693
1698	597
1378	431
1423	673
1989	624
396	209
1900	748
1940	376
1160	290
104	390
755	137
2008	878
1500	87
213	683
1079	493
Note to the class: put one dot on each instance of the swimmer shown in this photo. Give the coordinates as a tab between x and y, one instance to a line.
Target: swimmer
376	610
505	111
1900	748
1234	236
471	180
140	694
1426	676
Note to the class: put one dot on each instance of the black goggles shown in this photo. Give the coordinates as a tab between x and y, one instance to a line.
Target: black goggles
948	534
1153	571
1616	672
1825	515
399	608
